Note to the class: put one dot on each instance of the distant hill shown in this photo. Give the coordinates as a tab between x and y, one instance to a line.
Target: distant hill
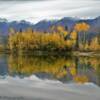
44	25
69	22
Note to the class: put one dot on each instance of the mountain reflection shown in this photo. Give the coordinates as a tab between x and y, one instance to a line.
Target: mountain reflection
65	69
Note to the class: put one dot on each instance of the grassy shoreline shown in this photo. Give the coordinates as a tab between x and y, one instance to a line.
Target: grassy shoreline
53	53
86	53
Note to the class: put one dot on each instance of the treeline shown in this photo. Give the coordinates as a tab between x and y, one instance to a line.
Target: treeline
33	40
57	39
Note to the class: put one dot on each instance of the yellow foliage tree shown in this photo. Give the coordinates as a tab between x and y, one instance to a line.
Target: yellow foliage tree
94	44
81	27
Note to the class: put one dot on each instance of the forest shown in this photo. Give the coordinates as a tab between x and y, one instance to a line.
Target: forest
58	38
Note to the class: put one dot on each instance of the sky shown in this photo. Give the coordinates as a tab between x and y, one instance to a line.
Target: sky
36	10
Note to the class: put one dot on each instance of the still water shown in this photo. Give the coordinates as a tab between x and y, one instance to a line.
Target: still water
64	69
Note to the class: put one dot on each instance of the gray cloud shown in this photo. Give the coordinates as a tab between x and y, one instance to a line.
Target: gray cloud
23	0
36	10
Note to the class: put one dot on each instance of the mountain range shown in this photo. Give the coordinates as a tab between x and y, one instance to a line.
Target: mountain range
45	25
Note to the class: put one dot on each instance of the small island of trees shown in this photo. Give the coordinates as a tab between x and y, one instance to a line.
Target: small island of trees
58	38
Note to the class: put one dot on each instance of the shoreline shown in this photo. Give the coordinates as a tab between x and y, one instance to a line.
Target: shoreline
87	54
54	53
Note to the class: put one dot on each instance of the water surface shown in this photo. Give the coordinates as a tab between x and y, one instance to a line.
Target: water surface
64	69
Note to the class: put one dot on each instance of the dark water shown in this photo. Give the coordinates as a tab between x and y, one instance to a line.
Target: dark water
65	69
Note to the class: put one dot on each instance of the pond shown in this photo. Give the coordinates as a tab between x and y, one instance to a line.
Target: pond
55	71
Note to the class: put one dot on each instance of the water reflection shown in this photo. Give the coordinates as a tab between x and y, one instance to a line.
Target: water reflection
64	69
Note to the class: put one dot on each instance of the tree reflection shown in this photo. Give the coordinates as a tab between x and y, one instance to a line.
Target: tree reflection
77	69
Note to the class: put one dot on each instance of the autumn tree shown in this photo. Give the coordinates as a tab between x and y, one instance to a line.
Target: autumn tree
94	44
81	27
63	31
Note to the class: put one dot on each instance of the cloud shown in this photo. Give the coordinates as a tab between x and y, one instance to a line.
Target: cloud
36	10
23	0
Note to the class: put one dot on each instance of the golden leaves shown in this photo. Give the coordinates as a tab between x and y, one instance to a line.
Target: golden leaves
82	27
95	44
73	35
57	39
39	40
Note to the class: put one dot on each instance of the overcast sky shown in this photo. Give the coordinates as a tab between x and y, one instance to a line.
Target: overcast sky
36	10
